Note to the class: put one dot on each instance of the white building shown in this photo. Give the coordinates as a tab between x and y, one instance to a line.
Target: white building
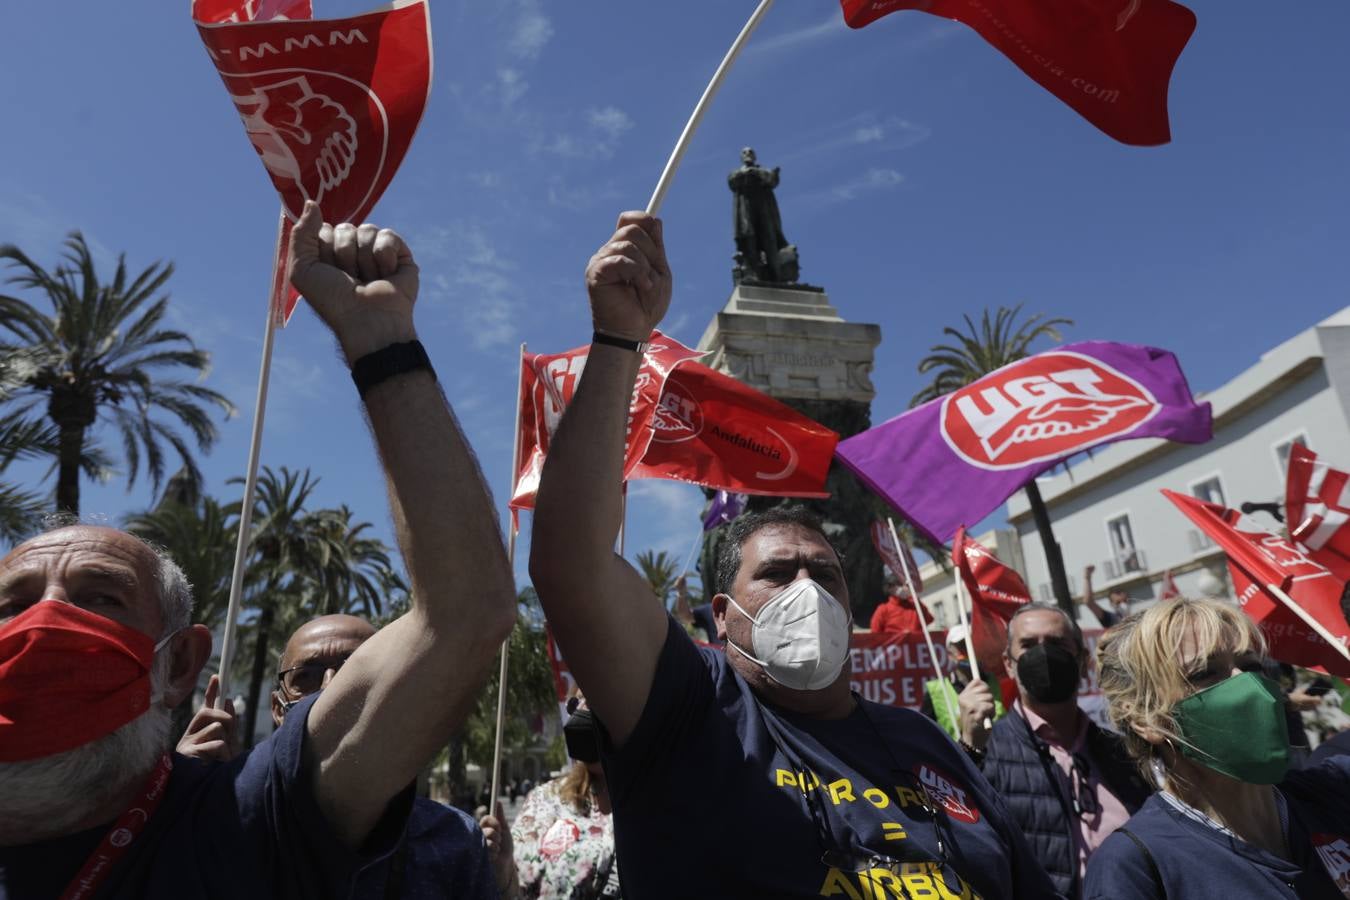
1109	511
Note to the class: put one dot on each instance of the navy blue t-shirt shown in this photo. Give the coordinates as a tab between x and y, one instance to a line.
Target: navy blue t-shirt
443	855
707	800
1197	862
250	828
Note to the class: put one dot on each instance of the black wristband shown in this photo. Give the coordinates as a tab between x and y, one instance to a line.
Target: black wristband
601	337
387	362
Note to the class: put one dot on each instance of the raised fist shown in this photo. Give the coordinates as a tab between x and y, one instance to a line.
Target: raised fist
629	280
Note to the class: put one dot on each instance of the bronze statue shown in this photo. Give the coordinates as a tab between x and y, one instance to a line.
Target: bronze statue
762	252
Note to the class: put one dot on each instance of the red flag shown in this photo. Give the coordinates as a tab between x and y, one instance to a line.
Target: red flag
1169	587
547	384
996	591
1317	509
226	11
712	430
1110	60
1258	560
329	105
895	558
687	422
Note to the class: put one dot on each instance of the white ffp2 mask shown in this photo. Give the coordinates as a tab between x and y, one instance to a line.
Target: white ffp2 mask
800	637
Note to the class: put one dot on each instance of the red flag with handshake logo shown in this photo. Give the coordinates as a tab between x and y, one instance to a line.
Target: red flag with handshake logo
996	591
1110	60
329	105
686	422
955	459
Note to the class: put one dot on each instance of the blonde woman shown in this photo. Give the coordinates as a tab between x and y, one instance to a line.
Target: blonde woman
1230	821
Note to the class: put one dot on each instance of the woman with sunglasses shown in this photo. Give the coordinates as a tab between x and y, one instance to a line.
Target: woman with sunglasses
561	845
1185	687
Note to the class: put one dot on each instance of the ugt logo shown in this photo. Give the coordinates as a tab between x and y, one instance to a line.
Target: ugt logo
678	416
322	137
1042	408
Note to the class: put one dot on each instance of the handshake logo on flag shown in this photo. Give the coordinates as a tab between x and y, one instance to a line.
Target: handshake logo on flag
1043	408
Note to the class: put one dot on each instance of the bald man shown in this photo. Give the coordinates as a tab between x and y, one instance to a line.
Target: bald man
443	853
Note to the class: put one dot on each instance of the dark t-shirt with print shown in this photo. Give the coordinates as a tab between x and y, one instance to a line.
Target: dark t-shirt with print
250	828
1196	862
708	800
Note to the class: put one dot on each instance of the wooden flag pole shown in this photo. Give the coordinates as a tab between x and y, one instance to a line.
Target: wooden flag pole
251	474
923	622
686	136
1308	619
511	560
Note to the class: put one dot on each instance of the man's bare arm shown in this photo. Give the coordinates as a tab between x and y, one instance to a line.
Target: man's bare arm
1088	599
598	606
404	692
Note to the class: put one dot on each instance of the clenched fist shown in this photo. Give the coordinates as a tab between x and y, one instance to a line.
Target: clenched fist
361	280
629	280
977	707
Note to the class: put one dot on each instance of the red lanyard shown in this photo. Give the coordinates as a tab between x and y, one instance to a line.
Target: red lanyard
115	843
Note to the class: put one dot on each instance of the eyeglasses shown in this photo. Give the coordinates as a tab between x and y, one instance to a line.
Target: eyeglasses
307	678
1085	801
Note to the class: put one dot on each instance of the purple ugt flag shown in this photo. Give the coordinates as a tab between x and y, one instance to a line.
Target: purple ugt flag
953	460
725	507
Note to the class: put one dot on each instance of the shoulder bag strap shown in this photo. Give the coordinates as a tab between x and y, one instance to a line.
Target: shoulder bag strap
1148	858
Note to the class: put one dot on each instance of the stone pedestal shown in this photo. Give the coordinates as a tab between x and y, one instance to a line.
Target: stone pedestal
793	345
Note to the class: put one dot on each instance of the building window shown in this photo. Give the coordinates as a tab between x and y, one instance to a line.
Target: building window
1125	557
1283	449
1210	489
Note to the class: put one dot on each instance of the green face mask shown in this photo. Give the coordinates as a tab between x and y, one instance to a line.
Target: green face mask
1237	727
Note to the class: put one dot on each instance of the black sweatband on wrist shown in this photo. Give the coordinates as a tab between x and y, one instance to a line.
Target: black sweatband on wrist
387	362
601	337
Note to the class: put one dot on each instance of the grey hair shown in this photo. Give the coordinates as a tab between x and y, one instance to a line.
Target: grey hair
171	586
1047	607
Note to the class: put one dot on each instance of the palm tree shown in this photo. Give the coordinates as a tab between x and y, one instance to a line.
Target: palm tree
359	575
976	353
200	538
660	571
103	353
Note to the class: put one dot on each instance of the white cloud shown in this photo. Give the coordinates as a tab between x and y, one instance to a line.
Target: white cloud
604	129
868	134
674	504
532	31
510	85
869	182
831	26
475	282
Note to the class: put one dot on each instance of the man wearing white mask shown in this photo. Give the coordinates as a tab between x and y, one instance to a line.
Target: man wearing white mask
752	771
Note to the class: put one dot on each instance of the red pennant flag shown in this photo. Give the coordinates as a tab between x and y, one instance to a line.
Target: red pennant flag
895	558
1169	588
329	105
547	384
1110	60
712	430
996	591
1259	561
687	422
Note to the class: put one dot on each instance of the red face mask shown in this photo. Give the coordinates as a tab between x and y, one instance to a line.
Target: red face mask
67	677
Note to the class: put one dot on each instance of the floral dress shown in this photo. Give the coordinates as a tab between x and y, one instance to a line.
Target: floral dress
563	854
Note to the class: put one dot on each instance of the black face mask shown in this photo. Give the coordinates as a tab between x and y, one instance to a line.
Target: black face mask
1049	672
581	737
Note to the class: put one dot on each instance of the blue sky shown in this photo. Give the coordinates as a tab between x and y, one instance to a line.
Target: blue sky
923	177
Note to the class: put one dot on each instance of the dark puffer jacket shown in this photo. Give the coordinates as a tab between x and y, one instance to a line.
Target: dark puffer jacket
1019	766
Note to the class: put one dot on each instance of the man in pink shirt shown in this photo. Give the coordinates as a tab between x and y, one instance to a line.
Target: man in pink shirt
1067	782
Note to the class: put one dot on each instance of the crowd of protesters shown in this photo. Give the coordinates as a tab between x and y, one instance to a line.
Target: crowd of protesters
737	765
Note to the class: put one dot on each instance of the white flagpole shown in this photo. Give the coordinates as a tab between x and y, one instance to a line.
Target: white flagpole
673	163
688	560
923	622
251	474
1308	620
511	560
970	638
